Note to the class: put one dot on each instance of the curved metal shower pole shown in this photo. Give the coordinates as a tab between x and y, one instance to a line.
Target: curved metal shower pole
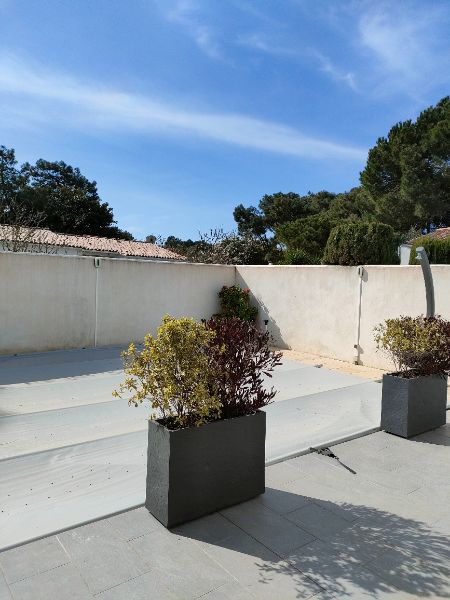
422	257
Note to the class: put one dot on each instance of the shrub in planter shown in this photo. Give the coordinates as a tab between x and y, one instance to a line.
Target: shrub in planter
241	357
205	452
173	371
235	302
414	397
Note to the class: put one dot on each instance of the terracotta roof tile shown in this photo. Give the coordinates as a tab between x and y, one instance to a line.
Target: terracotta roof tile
91	242
440	234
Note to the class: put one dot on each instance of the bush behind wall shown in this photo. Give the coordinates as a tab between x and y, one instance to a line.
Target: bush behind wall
361	244
438	250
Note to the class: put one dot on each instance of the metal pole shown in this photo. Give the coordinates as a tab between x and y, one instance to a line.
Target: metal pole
422	257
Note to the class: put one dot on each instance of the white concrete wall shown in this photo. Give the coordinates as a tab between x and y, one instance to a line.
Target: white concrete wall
135	294
46	302
49	301
315	309
310	308
392	291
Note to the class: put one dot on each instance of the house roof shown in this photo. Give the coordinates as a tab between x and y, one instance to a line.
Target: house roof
440	234
87	242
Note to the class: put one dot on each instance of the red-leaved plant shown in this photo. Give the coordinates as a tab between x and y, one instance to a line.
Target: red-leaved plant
241	357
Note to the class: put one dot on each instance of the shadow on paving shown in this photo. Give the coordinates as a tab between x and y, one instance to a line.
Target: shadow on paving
376	553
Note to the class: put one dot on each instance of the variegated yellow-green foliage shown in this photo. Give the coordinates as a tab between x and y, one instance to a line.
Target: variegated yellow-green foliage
173	371
420	344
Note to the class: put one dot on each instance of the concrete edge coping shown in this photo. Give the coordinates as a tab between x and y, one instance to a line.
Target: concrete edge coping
333	442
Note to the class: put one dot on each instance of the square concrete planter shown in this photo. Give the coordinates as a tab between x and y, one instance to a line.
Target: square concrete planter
195	471
413	406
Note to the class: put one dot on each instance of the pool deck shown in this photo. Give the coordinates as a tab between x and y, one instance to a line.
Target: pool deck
319	531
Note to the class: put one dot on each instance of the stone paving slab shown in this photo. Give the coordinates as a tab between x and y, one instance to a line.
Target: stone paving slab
318	532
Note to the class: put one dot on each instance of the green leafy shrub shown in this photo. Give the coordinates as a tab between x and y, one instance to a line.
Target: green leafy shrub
299	257
235	302
438	250
308	235
416	345
174	372
241	357
361	244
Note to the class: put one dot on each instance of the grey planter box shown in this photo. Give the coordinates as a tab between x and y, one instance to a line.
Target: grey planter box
413	406
195	471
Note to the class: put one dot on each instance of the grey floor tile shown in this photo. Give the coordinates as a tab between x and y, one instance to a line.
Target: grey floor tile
259	570
133	523
281	473
318	521
266	526
230	591
412	575
211	528
149	586
187	570
352	581
31	559
62	583
346	511
282	501
4	589
102	556
442	525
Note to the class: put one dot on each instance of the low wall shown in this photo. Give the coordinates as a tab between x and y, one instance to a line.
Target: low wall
329	310
309	308
49	301
391	291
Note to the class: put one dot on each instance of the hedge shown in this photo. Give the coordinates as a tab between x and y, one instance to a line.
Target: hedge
361	244
438	250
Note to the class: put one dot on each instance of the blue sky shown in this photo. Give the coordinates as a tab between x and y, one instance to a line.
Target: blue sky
182	109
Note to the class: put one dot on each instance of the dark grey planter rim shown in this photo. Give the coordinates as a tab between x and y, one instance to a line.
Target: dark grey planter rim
158	421
397	375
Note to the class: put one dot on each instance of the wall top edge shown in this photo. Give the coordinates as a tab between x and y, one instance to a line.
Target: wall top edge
122	259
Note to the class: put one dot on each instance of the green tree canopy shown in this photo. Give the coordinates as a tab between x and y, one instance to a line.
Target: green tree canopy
305	239
361	244
55	196
277	209
408	172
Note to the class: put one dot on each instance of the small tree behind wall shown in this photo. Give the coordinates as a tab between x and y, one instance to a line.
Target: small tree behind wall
361	244
438	250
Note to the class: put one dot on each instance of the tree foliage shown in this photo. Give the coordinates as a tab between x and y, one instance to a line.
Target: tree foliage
219	247
307	236
235	302
277	209
408	172
55	196
438	250
361	244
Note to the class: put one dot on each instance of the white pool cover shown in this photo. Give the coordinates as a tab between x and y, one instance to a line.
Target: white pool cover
69	454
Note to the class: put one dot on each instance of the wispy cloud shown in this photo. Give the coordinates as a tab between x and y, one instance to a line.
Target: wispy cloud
259	42
72	103
406	40
333	71
187	15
